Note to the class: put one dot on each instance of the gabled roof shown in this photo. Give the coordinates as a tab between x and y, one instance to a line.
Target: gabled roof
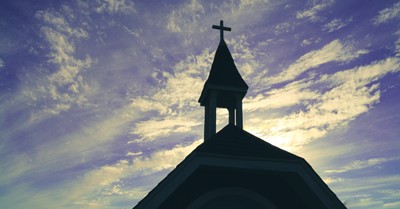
234	141
223	70
234	152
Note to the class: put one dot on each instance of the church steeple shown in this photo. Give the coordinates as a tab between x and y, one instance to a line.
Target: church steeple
224	88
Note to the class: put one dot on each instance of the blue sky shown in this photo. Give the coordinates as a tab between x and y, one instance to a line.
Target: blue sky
99	98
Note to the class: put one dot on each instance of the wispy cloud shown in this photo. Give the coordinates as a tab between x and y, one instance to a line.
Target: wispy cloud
332	180
134	153
184	18
309	41
335	51
374	184
397	44
179	90
115	6
369	195
388	14
311	13
106	179
1	63
298	92
392	205
335	25
66	154
65	86
360	164
66	151
158	128
364	202
391	193
58	22
174	103
349	95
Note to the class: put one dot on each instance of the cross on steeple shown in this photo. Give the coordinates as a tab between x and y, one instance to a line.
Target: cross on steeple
221	28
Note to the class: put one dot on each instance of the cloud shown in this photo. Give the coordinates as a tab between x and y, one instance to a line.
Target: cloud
388	14
312	12
392	205
332	180
115	6
309	41
305	42
278	98
375	183
244	3
283	28
246	58
358	194
65	86
395	194
179	91
184	18
363	202
69	154
397	44
105	180
313	114
134	153
335	25
1	63
58	22
67	150
154	129
189	19
335	51
360	164
364	74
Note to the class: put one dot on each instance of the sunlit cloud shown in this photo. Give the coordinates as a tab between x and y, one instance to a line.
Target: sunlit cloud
332	180
103	180
335	51
360	164
298	92
349	95
156	129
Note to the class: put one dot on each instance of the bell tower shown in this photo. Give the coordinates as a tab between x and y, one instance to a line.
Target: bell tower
224	88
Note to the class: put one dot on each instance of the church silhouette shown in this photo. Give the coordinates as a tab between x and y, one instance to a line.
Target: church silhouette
233	169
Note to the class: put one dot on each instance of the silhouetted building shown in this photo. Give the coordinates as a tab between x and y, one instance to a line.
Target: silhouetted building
233	169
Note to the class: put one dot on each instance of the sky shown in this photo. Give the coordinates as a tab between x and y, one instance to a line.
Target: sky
98	99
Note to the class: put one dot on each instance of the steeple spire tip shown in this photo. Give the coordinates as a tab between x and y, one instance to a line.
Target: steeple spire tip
221	29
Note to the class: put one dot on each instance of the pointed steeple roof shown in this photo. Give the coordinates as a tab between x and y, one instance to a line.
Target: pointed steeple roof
224	75
223	70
